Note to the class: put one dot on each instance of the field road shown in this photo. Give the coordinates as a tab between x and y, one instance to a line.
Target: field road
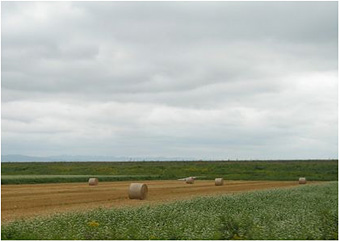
26	201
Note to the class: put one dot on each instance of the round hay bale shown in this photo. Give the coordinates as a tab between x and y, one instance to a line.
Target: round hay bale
302	180
189	180
219	181
93	181
138	191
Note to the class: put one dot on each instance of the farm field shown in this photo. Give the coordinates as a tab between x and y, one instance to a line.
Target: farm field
57	172
23	201
302	212
53	197
38	179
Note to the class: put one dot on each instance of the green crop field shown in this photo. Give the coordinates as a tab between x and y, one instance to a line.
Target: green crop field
33	179
301	213
49	172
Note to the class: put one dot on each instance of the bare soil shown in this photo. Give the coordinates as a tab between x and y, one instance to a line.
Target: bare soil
27	201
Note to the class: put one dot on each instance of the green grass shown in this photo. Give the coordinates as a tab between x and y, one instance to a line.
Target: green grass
301	213
317	170
33	179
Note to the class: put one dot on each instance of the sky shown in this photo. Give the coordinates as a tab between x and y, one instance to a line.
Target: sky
208	80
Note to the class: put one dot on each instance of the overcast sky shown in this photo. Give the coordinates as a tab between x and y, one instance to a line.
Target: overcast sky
211	80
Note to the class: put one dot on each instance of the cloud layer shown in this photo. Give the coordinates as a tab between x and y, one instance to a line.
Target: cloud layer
212	80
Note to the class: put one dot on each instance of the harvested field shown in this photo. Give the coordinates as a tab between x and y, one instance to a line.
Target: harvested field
24	201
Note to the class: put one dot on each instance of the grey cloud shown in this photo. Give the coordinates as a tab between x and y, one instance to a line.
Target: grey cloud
207	79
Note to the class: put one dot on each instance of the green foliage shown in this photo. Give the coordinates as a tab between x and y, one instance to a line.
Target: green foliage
317	170
301	213
33	179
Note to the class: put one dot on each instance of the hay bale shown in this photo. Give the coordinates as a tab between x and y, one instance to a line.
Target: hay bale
138	191
302	180
189	180
93	181
219	181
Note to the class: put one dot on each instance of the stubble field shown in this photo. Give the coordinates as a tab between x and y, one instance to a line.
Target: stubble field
25	201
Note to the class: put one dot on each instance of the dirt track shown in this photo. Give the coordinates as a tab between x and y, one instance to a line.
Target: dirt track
19	201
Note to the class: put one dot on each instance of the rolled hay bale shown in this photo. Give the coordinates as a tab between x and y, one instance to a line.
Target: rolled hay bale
189	180
138	191
302	180
93	181
219	181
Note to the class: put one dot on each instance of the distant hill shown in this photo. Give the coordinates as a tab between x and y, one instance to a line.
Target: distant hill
25	158
21	158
